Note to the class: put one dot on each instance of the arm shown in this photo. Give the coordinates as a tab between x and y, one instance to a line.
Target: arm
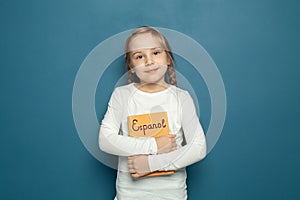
193	151
109	139
195	148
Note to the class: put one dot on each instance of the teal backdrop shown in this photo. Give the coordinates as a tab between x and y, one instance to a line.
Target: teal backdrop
255	45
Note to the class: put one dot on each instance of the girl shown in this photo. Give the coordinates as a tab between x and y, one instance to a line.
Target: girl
149	58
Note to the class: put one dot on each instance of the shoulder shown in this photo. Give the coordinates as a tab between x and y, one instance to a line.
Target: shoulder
124	90
181	94
122	93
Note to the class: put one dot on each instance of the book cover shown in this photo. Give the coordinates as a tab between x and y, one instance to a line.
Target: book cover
150	125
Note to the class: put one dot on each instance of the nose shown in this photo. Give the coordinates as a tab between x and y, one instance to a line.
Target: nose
149	60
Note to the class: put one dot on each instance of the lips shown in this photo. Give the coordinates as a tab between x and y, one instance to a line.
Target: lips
152	70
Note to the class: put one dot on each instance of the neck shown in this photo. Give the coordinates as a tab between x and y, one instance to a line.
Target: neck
151	87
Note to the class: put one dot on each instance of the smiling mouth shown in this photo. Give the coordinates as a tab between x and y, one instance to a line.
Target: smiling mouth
151	70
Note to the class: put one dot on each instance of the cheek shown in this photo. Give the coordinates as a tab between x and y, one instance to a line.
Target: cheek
139	69
164	69
163	60
137	63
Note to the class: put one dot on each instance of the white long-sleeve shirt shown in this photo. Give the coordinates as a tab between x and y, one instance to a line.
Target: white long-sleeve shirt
183	121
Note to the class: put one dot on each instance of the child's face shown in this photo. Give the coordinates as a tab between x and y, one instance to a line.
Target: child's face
148	59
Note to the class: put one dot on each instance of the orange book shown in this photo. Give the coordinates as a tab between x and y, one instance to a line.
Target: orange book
150	125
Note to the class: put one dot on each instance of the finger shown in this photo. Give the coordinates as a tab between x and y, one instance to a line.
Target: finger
130	166
171	135
130	157
136	175
130	162
132	171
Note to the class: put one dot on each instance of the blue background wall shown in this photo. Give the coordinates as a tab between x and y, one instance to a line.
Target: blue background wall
255	45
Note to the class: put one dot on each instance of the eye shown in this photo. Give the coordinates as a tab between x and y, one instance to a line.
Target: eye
156	53
138	57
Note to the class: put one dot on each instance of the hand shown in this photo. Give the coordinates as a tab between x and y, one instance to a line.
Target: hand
166	143
138	165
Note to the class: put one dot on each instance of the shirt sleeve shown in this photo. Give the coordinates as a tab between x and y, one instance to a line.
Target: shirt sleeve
195	148
110	141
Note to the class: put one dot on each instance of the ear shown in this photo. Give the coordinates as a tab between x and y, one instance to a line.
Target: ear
132	70
169	60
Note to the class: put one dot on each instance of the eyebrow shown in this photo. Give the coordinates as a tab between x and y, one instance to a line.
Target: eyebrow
136	52
154	48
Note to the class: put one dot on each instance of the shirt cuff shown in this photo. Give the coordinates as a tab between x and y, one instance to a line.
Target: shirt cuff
153	146
155	163
152	163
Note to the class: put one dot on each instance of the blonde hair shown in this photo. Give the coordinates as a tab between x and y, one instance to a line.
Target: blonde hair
164	44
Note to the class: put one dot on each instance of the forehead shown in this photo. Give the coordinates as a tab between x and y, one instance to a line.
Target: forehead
143	41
